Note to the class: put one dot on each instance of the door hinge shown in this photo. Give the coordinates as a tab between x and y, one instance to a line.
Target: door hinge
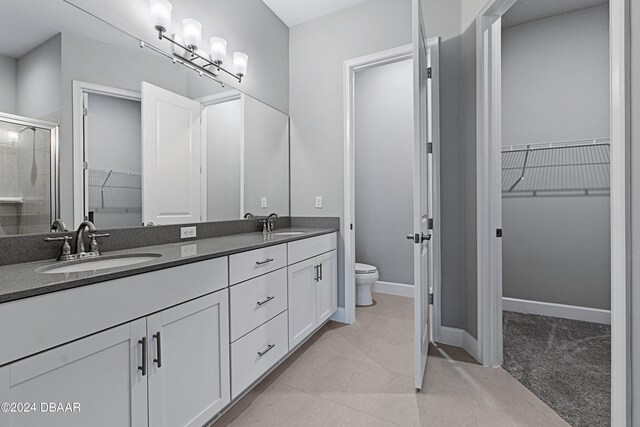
85	165
499	232
429	147
351	226
430	223
429	73
431	298
85	111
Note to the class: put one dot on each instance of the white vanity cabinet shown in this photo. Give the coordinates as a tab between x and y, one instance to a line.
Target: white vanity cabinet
183	381
99	374
188	360
312	285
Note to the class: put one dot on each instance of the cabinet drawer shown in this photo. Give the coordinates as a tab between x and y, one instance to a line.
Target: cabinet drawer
308	248
255	353
254	263
257	301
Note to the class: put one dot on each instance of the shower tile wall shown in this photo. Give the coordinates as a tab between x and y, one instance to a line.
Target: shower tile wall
33	181
8	188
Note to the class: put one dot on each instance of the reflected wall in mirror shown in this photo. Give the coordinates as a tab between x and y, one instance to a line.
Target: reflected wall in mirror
85	77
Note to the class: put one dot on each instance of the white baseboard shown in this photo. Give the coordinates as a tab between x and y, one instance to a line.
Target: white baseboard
574	312
340	315
399	289
459	338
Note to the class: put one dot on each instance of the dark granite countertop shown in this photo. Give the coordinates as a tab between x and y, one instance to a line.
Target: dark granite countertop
19	281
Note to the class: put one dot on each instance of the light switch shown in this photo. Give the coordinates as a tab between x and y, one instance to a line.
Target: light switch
263	202
318	202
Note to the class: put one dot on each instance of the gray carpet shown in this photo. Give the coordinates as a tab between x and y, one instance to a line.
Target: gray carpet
566	363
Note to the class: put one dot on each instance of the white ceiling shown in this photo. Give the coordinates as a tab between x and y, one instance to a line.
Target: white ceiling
295	12
531	10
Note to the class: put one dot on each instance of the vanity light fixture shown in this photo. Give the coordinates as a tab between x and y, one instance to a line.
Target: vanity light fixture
190	45
13	135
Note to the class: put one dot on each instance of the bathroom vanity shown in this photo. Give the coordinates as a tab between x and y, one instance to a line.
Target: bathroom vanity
169	341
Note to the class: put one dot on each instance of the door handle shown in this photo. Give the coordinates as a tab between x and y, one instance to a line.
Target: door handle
143	367
317	270
419	238
265	351
158	361
265	301
266	261
320	272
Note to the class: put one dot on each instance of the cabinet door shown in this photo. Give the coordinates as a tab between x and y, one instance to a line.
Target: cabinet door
95	379
189	362
302	301
327	289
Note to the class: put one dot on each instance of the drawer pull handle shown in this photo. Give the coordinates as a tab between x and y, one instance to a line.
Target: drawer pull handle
266	261
143	368
265	301
267	350
158	361
320	271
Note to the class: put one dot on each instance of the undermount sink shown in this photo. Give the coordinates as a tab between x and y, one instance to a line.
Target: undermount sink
287	233
94	264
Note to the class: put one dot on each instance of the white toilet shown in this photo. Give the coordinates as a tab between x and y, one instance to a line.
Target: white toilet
366	276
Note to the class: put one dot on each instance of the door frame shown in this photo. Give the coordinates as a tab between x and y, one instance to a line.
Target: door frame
489	203
350	68
81	88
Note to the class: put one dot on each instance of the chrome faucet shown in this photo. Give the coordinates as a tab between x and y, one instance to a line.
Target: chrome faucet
58	226
65	253
80	235
271	221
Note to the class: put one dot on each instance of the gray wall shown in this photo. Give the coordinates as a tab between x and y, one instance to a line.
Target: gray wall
384	169
549	253
39	76
113	140
635	208
224	133
266	158
555	74
8	84
317	52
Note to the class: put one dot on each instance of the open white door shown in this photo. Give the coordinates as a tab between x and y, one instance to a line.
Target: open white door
171	148
420	235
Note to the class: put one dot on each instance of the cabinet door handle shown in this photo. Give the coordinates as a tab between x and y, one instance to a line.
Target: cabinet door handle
316	268
143	368
266	261
265	301
320	271
158	361
266	350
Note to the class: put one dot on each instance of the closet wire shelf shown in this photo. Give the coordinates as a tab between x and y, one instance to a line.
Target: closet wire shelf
114	190
578	167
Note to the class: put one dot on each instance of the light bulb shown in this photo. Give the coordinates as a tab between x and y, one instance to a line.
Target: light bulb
160	11
240	61
218	50
192	32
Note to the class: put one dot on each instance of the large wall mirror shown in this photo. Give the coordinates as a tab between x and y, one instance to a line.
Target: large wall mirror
95	125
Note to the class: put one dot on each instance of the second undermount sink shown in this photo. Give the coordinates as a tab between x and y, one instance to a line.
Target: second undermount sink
101	263
287	233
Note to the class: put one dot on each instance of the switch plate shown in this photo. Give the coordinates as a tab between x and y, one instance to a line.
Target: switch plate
318	202
187	232
263	202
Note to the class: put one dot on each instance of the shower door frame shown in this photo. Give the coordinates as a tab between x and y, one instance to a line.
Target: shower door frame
54	173
489	202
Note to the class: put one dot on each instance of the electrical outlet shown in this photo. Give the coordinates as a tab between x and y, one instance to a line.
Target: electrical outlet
263	202
187	232
188	250
318	202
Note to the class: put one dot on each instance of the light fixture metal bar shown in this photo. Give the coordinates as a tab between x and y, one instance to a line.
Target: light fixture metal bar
194	53
182	61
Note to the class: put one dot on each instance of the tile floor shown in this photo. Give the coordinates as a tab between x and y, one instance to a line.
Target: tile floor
362	375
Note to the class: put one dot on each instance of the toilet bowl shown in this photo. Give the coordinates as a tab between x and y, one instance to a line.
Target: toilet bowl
366	276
